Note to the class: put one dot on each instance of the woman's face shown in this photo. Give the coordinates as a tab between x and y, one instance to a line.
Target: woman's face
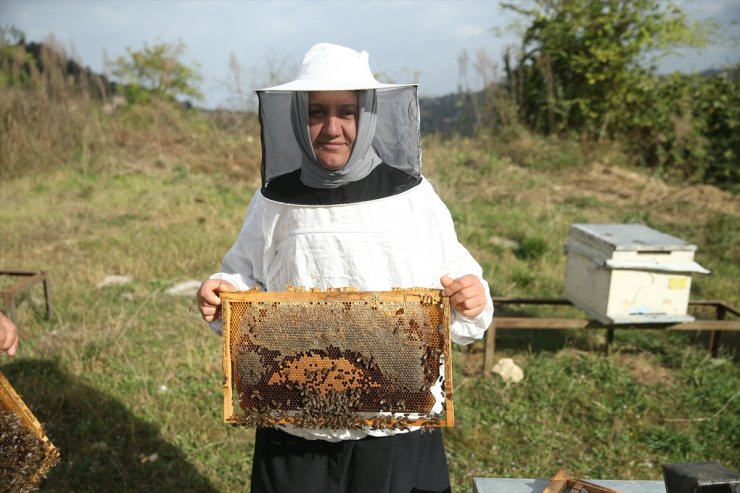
332	122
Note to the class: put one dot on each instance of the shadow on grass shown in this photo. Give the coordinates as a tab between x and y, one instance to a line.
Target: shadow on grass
529	340
104	447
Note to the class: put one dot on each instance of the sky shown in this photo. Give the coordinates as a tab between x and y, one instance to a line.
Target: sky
408	41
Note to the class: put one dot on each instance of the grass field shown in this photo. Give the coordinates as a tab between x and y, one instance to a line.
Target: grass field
126	379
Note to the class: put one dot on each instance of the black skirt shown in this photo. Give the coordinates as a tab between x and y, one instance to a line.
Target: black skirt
412	462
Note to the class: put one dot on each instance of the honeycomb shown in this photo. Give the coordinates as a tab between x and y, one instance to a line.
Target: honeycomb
337	359
26	454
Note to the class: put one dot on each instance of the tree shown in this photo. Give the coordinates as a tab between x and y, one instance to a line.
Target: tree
157	70
583	64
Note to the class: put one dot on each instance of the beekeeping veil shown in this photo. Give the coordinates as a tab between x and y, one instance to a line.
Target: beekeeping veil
394	108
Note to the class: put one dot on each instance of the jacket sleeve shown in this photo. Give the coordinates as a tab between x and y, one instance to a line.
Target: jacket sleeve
242	264
459	262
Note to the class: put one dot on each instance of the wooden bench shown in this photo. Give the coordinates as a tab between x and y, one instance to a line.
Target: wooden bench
718	325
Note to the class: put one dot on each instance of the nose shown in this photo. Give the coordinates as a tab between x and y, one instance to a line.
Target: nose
333	126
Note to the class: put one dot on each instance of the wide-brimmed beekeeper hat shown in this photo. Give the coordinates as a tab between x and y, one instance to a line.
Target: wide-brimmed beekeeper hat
330	67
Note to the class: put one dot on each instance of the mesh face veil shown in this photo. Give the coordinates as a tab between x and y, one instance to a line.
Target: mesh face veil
396	137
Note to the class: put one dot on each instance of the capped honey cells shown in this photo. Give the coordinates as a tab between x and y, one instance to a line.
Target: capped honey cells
337	359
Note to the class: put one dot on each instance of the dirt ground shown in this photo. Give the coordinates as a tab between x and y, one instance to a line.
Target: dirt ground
621	186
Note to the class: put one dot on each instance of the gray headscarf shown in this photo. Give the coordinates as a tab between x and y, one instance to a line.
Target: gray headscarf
363	158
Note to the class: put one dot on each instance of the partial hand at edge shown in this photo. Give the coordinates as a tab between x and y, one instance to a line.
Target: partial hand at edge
8	336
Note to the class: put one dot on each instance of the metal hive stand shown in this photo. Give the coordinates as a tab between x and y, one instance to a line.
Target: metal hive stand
28	280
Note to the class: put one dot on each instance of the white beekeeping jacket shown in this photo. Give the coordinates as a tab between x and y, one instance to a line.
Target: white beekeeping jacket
402	241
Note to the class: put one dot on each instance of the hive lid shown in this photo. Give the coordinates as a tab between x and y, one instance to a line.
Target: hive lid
655	265
627	237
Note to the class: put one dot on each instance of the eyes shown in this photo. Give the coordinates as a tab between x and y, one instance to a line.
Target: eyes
320	112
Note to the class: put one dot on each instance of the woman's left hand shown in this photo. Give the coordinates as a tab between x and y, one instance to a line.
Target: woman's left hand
467	294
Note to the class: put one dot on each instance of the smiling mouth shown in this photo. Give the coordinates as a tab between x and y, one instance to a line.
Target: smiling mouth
332	145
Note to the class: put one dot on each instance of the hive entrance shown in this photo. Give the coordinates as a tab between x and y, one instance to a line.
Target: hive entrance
337	359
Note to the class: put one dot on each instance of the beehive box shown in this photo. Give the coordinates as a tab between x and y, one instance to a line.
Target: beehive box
26	454
337	359
629	273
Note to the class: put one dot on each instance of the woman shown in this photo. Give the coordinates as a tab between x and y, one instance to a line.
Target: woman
343	204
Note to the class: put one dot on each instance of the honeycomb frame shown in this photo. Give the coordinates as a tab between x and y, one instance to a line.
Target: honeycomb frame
337	358
11	401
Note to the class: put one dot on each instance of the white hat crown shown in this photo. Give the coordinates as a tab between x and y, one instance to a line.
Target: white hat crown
330	67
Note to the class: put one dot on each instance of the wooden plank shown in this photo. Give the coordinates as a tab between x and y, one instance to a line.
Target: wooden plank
577	323
718	325
544	323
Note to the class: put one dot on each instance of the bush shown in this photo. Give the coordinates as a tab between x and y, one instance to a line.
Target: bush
686	126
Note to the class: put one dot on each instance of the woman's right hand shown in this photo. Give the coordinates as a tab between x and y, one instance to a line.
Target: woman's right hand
209	303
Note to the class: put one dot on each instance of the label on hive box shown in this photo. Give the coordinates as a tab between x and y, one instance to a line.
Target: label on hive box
678	282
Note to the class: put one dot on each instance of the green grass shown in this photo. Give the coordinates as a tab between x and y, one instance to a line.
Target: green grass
122	373
126	371
596	417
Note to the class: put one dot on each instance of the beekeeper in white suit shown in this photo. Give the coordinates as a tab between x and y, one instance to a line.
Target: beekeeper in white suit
343	204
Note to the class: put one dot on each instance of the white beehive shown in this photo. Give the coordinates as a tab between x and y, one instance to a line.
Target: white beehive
629	273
